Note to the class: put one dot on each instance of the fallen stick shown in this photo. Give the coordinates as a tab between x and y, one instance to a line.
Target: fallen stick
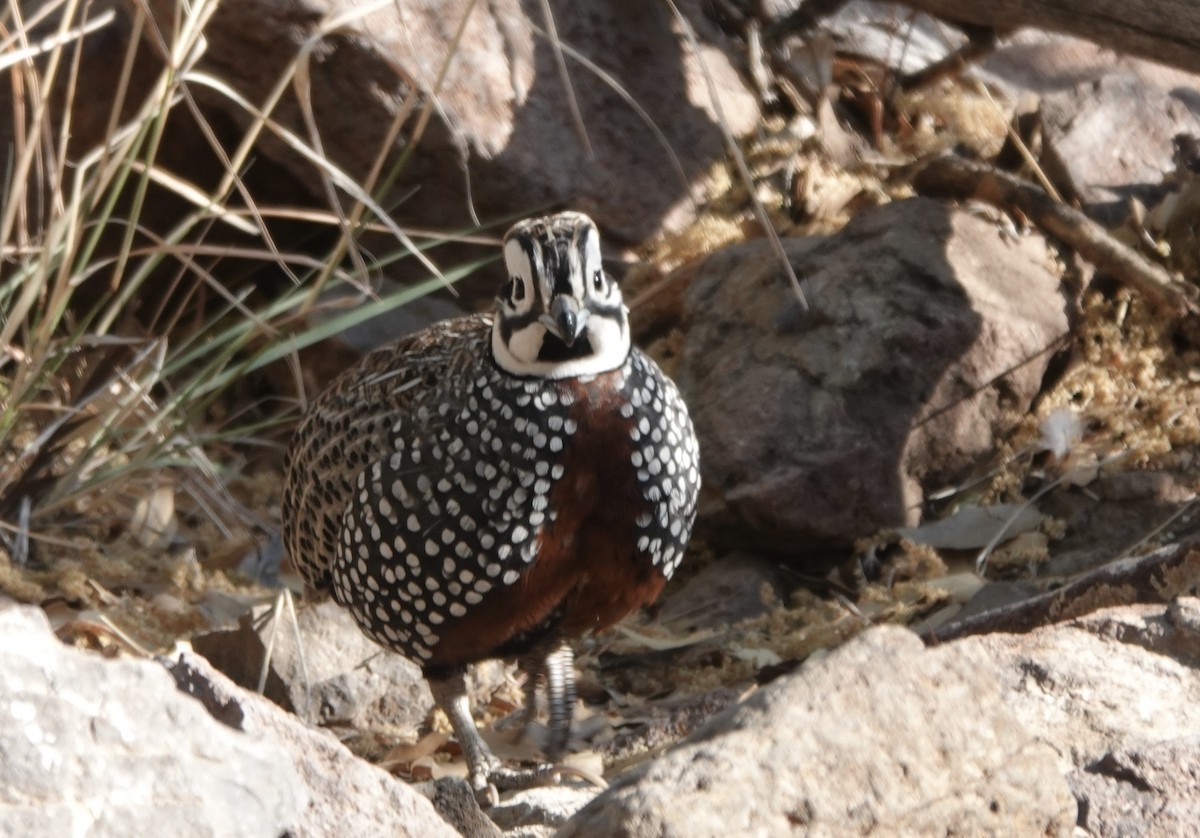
1160	576
1166	31
956	177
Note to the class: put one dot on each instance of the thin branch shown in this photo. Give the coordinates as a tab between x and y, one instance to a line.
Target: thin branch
956	177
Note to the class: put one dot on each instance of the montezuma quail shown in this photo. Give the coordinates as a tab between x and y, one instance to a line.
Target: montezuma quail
497	483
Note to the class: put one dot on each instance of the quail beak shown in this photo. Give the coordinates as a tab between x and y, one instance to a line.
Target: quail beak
566	319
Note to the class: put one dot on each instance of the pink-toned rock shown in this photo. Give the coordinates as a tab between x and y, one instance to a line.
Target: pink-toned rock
929	330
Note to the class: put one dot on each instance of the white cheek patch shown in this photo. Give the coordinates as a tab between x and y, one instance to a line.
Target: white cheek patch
610	342
526	343
516	262
592	260
516	259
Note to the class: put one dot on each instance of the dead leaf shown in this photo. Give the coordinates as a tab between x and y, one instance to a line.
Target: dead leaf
758	658
664	643
428	768
959	586
409	753
972	527
154	523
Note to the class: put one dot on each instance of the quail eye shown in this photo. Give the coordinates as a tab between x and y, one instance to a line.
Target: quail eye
518	290
598	281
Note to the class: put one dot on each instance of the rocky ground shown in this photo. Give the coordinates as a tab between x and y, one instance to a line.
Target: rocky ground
946	571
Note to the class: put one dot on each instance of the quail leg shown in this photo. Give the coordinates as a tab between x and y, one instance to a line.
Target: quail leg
487	774
559	671
553	664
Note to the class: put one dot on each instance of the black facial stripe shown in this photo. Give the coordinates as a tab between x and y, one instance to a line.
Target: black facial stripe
602	310
578	241
510	323
529	246
558	265
515	322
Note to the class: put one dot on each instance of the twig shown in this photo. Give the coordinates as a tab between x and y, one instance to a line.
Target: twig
981	41
1156	577
956	177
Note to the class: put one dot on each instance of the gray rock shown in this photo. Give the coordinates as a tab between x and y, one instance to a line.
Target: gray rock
1034	61
111	748
345	795
1141	790
116	748
1091	722
868	29
1118	677
454	800
928	328
1118	694
540	811
879	736
347	678
729	590
528	813
1111	139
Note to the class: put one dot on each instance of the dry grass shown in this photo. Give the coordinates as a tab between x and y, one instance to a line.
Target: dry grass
125	427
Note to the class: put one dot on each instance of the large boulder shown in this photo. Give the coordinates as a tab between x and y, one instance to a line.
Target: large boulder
345	795
1091	723
117	747
1119	677
929	329
1112	138
879	736
1145	789
109	748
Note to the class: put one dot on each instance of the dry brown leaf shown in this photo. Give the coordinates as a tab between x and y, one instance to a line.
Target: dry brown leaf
959	586
972	527
95	626
428	768
154	523
664	642
409	753
758	658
